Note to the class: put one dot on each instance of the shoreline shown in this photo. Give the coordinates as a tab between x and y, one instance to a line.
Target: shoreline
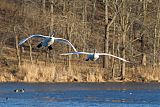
54	73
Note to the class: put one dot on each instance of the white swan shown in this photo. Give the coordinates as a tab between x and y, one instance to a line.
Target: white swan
94	56
48	41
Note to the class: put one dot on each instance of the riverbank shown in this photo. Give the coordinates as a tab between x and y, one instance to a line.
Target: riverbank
77	71
31	72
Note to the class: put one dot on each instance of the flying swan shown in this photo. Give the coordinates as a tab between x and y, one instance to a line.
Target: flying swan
94	56
47	41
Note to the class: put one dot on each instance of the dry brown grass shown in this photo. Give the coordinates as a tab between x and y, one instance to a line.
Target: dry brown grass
144	74
7	5
39	72
36	72
151	73
61	73
53	73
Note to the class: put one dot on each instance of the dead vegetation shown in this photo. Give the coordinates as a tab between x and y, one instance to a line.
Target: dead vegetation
53	73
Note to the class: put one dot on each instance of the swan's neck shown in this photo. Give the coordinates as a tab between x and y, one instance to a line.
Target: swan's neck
94	51
52	34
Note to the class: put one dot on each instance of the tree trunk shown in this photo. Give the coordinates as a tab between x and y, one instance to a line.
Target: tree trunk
158	30
47	57
30	52
69	48
123	55
143	60
18	52
50	54
113	48
43	6
106	37
93	16
154	46
51	24
125	16
119	53
84	21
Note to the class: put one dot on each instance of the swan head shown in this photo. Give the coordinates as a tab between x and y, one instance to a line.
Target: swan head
94	50
52	34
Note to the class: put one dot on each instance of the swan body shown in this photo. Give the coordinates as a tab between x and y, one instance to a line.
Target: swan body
94	56
48	41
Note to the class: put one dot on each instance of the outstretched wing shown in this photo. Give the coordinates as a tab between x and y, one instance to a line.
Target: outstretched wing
113	56
32	36
71	53
61	40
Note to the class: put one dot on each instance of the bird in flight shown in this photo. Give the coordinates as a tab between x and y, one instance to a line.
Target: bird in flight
48	41
94	56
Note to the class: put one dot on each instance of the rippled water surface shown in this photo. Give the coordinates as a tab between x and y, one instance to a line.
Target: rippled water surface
80	95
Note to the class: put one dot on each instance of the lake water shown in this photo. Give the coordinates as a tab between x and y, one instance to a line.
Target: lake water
80	95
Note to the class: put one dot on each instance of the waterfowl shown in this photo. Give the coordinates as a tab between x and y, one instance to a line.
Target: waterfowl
94	56
48	41
19	90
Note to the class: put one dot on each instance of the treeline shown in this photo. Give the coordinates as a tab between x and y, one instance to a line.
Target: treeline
126	28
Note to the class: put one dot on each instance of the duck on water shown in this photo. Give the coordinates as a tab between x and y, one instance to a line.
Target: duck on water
19	90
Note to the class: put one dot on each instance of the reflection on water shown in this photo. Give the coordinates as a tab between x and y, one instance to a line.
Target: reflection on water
80	94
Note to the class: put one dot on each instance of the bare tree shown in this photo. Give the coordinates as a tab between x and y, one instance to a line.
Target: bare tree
124	29
44	6
69	28
106	38
156	35
124	26
93	15
18	52
84	20
113	48
143	60
158	30
51	12
30	51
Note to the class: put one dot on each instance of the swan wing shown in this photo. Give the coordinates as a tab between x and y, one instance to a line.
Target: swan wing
32	36
71	53
65	41
113	56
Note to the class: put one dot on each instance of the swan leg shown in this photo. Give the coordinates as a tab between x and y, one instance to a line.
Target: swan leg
50	47
39	45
